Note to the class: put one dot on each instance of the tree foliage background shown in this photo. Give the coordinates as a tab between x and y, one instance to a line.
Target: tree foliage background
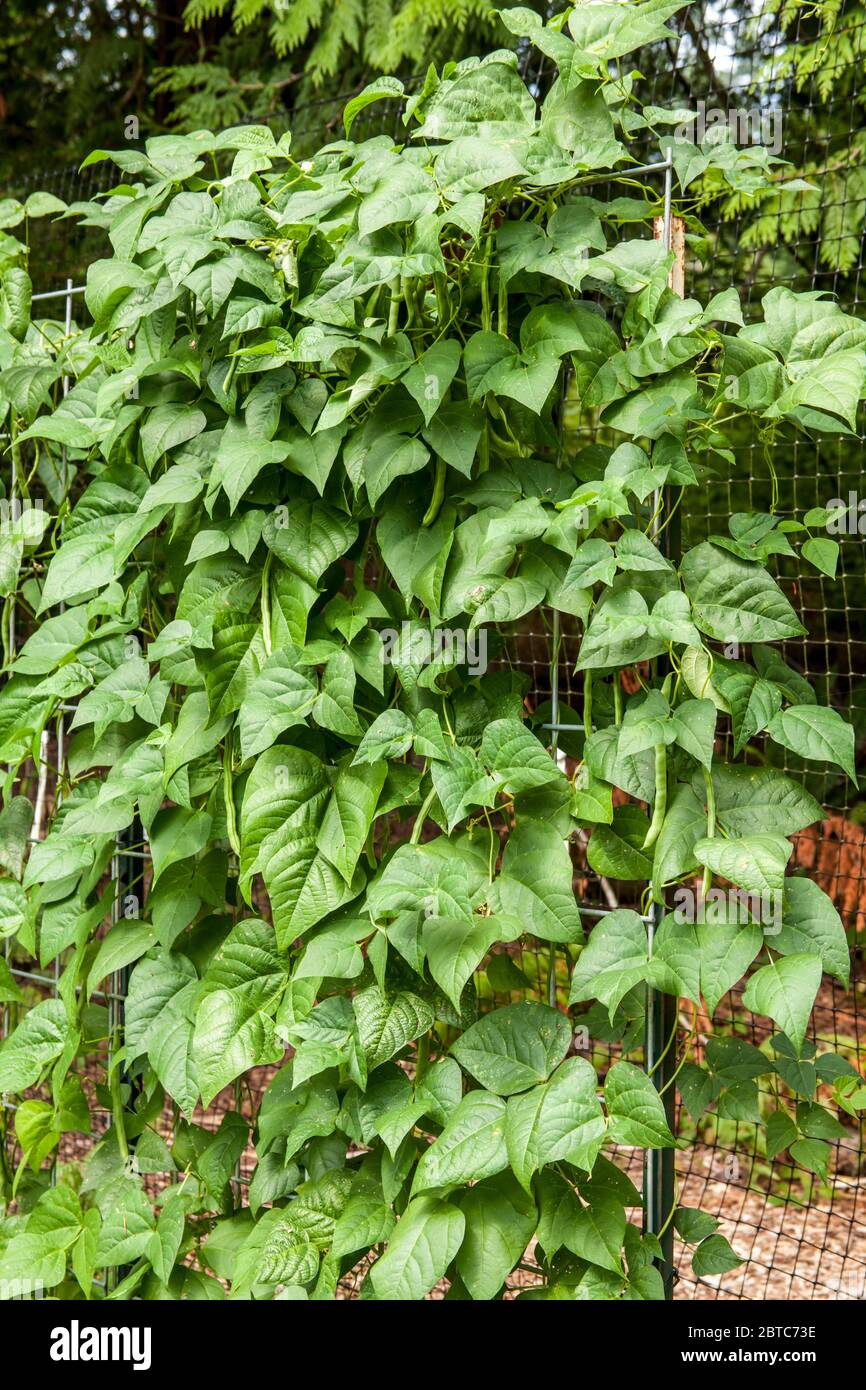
72	74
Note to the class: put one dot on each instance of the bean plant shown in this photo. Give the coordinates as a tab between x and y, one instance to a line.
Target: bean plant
335	428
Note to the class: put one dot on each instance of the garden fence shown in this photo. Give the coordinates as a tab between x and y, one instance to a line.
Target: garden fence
801	1237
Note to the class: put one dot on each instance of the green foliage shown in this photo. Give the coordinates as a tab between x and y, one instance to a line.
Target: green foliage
815	59
315	423
278	54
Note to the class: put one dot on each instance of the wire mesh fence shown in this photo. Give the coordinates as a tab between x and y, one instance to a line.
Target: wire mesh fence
802	1236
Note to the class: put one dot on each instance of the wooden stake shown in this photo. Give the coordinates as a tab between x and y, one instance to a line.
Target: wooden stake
677	279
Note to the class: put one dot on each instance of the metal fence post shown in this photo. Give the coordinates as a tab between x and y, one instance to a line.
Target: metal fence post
661	1009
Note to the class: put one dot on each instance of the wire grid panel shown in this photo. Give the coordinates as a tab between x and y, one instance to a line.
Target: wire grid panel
48	772
803	1238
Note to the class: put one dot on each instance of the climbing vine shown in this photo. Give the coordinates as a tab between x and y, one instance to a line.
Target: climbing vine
311	460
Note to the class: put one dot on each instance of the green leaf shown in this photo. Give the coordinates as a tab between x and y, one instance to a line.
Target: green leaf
365	1221
39	1038
755	800
349	815
596	1232
164	1245
422	1246
615	850
817	734
127	1222
287	787
823	553
753	702
516	757
614	961
731	1059
495	365
684	825
695	724
241	456
513	1048
755	863
277	698
275	1252
727	950
811	925
781	1132
558	1119
534	888
177	834
81	565
166	427
694	1225
234	1027
430	376
785	991
383	88
500	1221
391	457
470	1147
734	600
335	707
153	985
387	1023
618	633
13	907
635	1111
813	1155
308	537
456	946
16	819
303	885
333	951
389	736
714	1256
453	434
126	942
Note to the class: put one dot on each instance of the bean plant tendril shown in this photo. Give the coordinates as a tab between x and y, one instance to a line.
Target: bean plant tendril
327	431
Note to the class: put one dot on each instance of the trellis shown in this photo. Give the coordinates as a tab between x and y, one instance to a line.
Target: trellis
831	603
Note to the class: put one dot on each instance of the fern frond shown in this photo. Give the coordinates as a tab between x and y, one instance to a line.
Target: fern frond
293	23
342	31
199	11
